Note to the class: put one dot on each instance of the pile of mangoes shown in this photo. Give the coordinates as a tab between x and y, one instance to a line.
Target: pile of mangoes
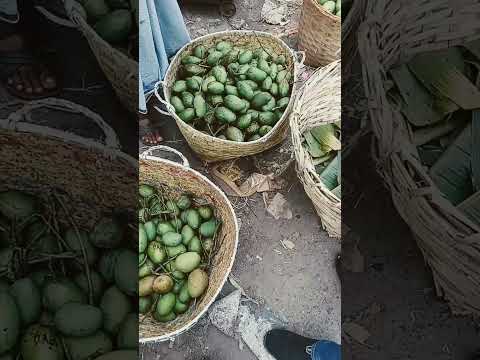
66	292
176	240
232	92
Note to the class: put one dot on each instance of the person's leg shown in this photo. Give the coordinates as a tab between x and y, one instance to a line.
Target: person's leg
23	76
158	18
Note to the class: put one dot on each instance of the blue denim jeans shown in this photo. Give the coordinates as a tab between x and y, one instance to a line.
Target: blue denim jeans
325	350
9	11
162	34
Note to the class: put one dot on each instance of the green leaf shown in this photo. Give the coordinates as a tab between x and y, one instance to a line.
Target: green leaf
443	73
325	135
471	207
313	145
418	103
452	172
329	176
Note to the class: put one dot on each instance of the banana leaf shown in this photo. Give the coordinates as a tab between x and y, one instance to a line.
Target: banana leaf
429	154
313	146
418	103
426	134
471	207
338	191
329	176
476	149
452	172
322	159
443	73
325	135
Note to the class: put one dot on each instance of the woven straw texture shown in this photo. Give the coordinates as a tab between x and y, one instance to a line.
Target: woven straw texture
91	180
349	36
213	149
319	34
180	179
448	240
319	102
120	70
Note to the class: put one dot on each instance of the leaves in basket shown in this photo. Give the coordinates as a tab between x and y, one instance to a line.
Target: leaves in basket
430	153
471	207
419	105
476	149
329	176
337	191
443	73
313	146
326	136
452	172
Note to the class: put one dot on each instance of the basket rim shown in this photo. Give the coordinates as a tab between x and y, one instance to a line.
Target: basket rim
284	117
325	12
297	134
378	132
193	322
88	31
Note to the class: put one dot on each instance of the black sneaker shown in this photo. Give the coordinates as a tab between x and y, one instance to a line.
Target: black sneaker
286	345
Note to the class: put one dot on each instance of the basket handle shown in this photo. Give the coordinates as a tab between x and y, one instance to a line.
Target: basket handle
169	106
300	57
19	120
146	153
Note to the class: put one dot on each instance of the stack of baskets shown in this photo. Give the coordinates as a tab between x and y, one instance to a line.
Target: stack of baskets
181	179
213	149
318	102
450	242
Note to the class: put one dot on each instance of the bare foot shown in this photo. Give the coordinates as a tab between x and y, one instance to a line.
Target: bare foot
27	79
152	138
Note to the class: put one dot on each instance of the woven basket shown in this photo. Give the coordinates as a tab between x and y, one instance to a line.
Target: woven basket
180	179
449	241
318	102
349	36
120	70
210	148
91	178
319	34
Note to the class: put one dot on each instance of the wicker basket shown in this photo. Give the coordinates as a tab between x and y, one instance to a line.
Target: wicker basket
92	178
349	36
319	34
180	179
210	148
449	241
319	102
120	70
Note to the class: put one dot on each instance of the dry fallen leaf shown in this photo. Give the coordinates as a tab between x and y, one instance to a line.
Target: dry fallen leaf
278	207
356	332
287	244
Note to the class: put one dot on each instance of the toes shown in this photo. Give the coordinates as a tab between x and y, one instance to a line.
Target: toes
47	79
17	81
35	80
25	75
